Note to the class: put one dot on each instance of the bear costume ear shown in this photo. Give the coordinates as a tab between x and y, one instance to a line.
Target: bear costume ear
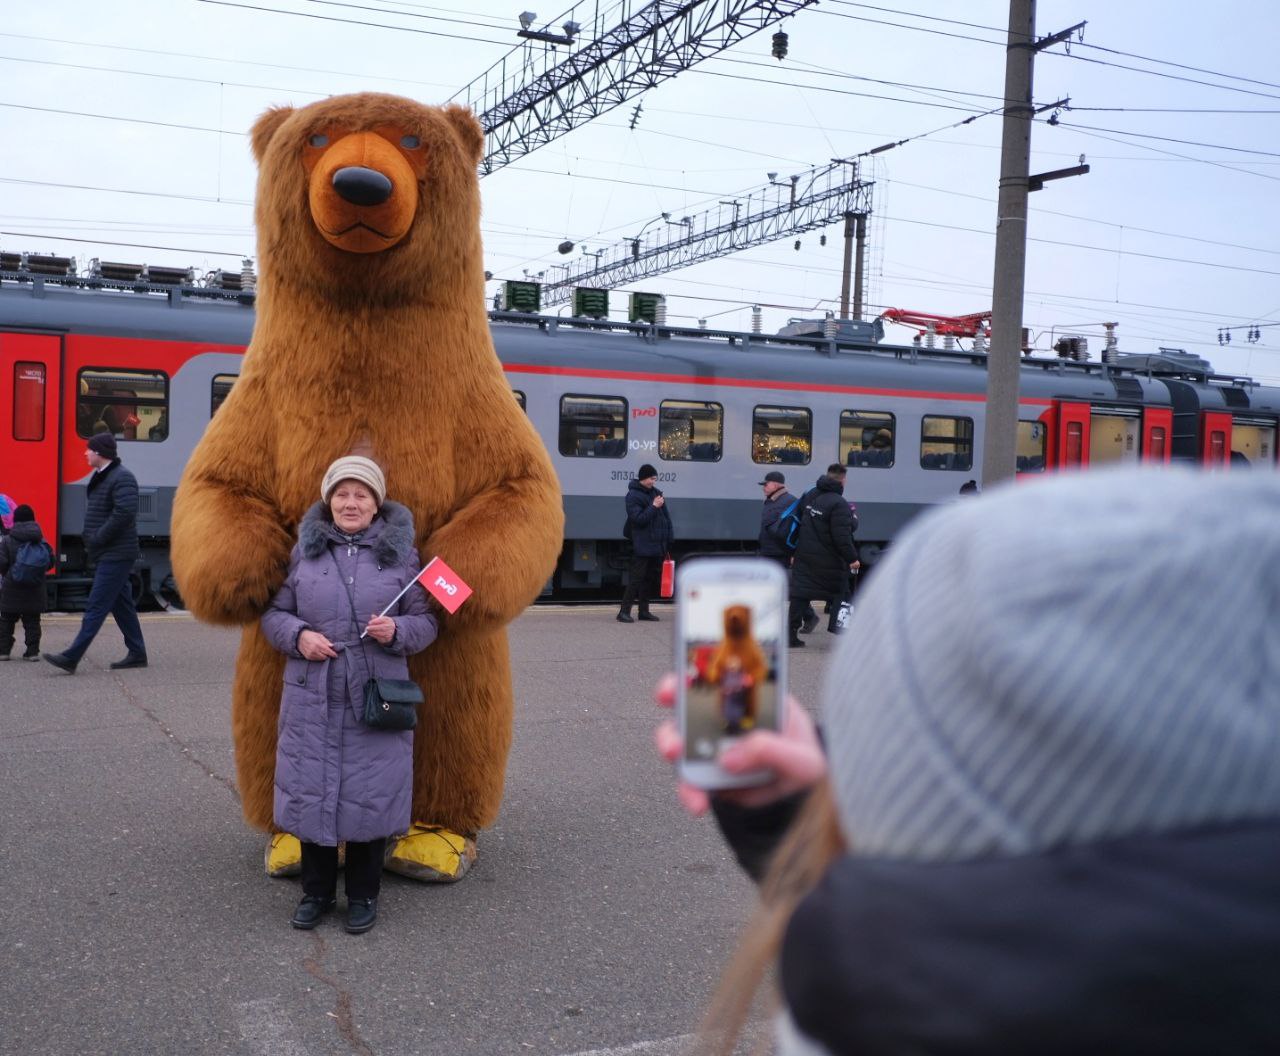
468	129
265	127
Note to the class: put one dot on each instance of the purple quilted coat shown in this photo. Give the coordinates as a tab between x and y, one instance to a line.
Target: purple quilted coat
336	779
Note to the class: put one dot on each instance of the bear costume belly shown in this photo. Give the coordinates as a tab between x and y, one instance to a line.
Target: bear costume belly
372	338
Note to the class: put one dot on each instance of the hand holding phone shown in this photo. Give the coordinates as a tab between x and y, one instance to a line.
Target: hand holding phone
731	661
794	756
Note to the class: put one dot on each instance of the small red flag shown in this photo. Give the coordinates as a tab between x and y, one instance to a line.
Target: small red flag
444	584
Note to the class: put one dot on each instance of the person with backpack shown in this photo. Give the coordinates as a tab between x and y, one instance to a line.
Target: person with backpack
111	544
24	559
648	526
825	553
779	526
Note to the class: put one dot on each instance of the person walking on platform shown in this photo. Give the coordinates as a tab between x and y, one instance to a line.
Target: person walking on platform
22	593
776	501
111	544
649	529
825	553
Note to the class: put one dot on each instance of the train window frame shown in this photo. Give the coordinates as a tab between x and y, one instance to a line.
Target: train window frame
755	418
867	418
689	404
34	414
1042	436
91	400
214	402
521	399
953	441
599	397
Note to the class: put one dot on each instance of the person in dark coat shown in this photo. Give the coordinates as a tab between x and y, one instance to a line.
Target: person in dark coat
825	554
338	781
111	545
20	601
651	535
776	500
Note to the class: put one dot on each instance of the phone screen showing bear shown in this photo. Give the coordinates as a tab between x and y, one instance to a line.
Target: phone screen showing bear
732	634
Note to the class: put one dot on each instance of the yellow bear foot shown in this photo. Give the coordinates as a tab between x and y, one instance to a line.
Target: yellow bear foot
284	855
431	853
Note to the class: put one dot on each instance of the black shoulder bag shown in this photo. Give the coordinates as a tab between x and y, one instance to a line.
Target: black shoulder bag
389	703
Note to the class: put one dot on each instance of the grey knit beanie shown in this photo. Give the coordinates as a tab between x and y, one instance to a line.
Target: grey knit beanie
1061	662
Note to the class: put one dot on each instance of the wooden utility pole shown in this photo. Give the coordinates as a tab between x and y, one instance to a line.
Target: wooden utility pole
999	438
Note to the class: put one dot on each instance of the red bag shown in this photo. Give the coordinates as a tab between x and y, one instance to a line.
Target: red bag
668	587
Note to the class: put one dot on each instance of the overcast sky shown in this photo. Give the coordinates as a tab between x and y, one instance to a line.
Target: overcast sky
125	123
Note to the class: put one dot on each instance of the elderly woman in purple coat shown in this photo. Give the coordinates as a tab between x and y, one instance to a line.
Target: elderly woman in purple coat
338	781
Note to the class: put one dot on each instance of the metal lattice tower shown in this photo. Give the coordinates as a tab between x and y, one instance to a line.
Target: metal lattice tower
532	96
815	199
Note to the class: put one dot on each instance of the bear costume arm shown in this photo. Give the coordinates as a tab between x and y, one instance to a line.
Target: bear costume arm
230	550
281	624
504	542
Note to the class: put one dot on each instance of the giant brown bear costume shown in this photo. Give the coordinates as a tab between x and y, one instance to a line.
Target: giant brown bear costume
372	338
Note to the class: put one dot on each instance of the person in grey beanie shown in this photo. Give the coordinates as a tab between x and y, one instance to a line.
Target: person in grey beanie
111	546
1051	816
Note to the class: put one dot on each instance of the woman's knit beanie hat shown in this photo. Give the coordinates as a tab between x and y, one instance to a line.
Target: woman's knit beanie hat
1061	662
23	513
354	467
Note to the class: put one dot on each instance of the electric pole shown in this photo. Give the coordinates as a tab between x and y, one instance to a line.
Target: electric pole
1004	360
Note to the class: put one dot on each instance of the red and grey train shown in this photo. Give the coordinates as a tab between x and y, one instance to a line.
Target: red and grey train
712	410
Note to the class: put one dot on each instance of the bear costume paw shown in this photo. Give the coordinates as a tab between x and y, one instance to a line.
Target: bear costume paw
431	853
284	855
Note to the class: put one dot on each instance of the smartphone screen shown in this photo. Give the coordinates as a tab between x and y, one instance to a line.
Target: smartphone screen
731	650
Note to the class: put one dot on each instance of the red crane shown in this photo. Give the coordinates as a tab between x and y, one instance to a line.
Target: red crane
953	325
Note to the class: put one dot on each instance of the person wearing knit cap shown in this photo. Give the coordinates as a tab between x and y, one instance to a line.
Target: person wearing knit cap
20	600
1051	823
648	526
337	780
110	538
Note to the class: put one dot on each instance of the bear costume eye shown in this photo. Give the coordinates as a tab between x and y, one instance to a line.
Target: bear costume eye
319	140
410	142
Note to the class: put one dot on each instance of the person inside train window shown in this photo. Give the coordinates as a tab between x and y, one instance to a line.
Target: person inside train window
1026	817
866	438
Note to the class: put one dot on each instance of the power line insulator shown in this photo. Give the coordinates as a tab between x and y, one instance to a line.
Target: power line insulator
780	45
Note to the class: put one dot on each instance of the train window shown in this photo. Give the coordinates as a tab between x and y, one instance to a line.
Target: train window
1113	438
1031	446
520	400
28	401
221	389
1075	445
1250	443
1157	444
593	427
866	438
128	404
946	443
782	434
690	431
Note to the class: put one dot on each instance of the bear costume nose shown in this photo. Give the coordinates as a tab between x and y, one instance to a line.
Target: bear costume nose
361	186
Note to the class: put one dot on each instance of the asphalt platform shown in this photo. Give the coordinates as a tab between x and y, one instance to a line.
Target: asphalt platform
136	917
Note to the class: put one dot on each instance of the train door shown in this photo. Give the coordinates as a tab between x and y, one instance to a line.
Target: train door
1157	434
1215	438
1071	435
1114	435
30	379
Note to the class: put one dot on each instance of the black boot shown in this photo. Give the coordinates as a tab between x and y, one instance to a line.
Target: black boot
309	912
647	616
362	914
624	616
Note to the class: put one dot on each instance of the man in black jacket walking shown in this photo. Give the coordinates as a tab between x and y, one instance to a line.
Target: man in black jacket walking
111	543
825	554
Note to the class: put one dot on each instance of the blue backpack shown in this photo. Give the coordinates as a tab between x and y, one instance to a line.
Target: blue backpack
33	560
787	527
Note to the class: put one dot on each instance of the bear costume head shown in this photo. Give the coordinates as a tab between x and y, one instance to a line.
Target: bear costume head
368	199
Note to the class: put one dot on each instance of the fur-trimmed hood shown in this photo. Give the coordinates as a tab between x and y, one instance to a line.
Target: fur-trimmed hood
391	533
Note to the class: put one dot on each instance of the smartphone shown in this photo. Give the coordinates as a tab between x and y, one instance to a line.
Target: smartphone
731	660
